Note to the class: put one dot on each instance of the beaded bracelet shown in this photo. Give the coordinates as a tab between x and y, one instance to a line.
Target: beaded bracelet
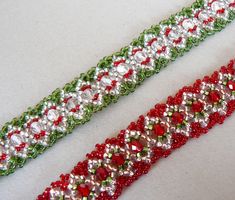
119	161
57	115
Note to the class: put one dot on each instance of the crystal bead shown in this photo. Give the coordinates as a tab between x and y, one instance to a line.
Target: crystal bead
159	130
188	24
105	81
71	104
83	190
231	85
16	139
136	146
197	106
118	159
156	45
177	118
102	173
140	56
122	68
87	95
217	6
214	96
173	34
36	127
52	115
203	15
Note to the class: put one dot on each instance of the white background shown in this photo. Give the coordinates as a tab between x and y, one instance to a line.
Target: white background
45	44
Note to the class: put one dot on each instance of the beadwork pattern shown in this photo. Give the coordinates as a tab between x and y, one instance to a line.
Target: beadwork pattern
117	75
115	164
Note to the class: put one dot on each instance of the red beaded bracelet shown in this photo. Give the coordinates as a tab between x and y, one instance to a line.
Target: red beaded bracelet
121	160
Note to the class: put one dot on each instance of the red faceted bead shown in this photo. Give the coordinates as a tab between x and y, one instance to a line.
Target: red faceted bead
18	148
42	133
152	41
116	63
146	61
118	159
102	173
214	96
109	87
83	190
231	85
128	74
168	30
220	11
58	121
136	146
36	136
159	129
177	41
197	106
3	157
85	87
177	118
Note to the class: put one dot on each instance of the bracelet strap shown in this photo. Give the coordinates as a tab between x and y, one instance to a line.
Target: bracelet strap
118	162
117	75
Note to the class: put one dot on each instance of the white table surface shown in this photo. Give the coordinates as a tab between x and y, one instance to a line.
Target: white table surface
44	44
